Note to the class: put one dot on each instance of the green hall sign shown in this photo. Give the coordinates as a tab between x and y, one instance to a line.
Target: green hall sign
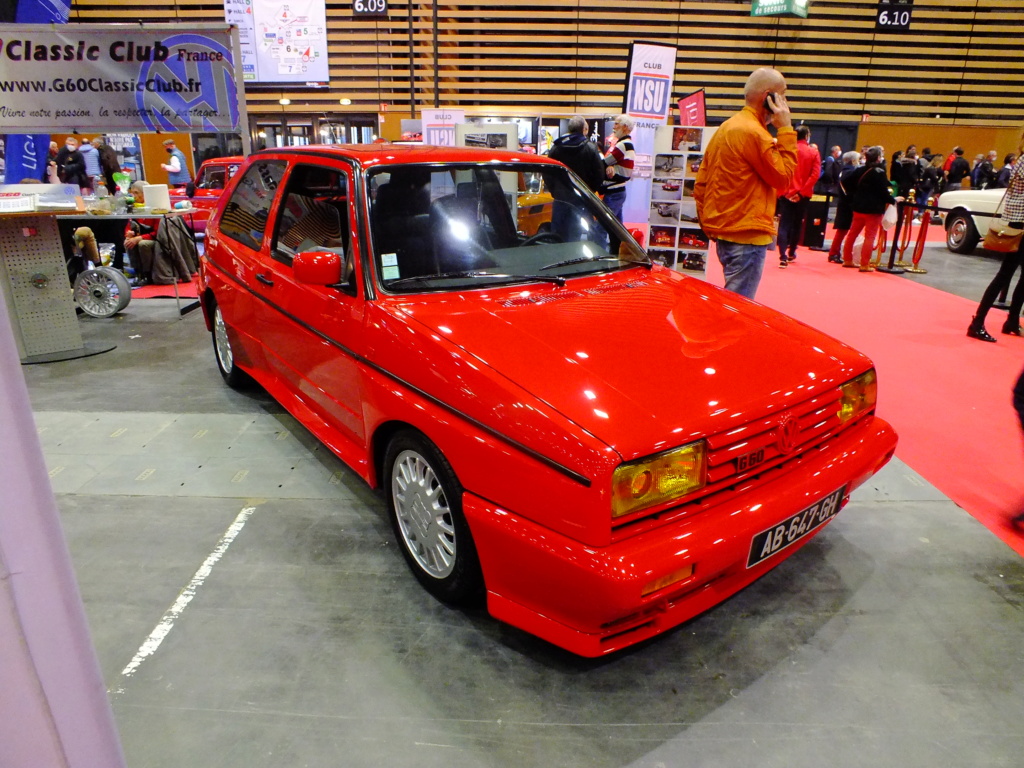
779	8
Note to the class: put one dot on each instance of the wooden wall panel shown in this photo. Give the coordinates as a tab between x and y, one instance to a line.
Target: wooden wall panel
960	63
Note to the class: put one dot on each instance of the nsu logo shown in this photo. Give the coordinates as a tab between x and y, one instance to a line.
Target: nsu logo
649	95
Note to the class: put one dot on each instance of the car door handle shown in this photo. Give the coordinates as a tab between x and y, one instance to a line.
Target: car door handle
265	280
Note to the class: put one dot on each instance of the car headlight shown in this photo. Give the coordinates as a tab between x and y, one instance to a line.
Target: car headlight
658	479
858	396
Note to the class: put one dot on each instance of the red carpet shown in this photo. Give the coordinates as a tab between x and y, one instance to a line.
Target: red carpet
948	396
185	291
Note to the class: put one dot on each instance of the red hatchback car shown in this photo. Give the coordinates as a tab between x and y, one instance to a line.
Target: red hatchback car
500	387
205	191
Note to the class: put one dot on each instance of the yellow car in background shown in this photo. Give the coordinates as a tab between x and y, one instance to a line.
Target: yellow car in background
534	205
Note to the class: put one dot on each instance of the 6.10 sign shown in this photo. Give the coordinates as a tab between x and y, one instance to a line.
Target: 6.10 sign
369	7
893	15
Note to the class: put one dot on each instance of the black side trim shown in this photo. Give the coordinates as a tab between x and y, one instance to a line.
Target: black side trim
535	455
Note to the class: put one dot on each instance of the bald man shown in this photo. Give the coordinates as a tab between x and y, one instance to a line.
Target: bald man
743	172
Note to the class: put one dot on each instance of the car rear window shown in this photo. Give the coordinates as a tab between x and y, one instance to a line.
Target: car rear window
246	212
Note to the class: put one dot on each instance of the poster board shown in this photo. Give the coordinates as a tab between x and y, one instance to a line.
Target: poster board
675	237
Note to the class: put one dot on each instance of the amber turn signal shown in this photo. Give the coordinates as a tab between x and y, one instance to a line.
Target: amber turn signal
658	479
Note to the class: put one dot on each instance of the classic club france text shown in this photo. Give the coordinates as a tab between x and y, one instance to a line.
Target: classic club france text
119	50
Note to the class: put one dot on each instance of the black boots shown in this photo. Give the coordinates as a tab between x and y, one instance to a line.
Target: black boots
977	330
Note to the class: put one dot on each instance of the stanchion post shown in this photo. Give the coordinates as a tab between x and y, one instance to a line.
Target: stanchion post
891	267
926	219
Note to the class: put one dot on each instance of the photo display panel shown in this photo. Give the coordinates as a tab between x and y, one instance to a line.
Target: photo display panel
675	236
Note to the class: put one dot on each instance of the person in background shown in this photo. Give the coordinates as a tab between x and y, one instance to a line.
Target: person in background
738	181
140	240
949	160
50	174
958	169
976	170
1013	212
791	206
619	165
895	168
828	180
1003	177
582	156
176	167
844	214
869	193
987	171
910	171
930	183
109	164
92	163
71	164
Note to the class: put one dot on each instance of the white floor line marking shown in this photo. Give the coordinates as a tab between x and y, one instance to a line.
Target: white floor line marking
166	624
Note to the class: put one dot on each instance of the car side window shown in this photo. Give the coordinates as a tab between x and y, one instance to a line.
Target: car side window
213	178
245	215
313	215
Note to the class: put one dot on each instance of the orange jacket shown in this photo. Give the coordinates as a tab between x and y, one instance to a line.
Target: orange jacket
739	179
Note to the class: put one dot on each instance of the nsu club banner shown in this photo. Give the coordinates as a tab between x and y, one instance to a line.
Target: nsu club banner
112	77
648	101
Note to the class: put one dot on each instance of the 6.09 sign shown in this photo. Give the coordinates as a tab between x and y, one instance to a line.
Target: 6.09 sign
370	7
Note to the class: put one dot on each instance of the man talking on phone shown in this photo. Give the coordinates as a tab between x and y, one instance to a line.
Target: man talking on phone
743	172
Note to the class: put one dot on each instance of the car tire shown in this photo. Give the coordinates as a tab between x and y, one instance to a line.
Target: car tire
961	234
424	499
224	353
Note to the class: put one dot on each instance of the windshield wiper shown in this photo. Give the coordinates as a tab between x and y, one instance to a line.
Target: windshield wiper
582	259
559	281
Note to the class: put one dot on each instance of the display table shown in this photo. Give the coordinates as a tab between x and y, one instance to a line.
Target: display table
35	290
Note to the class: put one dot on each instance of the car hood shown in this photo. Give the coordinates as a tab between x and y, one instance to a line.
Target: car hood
642	361
972	199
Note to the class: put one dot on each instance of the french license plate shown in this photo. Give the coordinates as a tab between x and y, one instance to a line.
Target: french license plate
792	529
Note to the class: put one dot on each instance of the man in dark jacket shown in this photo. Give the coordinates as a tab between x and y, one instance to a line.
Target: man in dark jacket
958	169
71	164
579	153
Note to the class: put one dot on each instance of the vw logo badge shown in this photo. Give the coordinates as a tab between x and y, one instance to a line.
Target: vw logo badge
786	433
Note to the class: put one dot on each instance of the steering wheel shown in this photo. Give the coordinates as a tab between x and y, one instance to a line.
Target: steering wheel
540	237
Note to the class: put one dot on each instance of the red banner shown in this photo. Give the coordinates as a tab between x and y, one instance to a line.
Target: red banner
691	109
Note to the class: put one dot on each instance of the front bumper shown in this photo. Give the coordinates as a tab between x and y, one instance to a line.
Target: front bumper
589	600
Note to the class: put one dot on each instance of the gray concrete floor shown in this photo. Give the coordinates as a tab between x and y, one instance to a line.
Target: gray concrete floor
892	639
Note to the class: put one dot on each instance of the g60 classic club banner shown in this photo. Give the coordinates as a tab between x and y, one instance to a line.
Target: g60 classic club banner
157	77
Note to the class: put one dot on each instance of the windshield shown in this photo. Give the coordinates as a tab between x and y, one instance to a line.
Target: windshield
447	227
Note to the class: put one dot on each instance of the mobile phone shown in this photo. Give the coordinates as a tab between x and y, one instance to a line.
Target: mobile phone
768	100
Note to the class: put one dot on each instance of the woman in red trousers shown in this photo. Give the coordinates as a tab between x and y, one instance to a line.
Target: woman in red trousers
867	189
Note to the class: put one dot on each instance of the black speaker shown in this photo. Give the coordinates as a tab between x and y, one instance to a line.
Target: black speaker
815	221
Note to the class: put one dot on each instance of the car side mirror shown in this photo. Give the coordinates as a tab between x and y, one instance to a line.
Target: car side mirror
638	235
190	189
318	267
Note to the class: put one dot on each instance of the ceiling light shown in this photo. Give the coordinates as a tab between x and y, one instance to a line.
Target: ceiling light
345	102
284	102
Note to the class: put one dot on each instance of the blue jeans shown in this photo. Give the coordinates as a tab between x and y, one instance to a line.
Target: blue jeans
614	201
742	265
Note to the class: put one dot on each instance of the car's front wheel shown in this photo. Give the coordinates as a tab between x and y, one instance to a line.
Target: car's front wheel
425	505
961	234
224	352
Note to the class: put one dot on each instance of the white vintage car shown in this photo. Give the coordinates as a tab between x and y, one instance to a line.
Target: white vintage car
965	227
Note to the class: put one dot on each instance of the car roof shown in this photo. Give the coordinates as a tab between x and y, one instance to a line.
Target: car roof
371	155
223	160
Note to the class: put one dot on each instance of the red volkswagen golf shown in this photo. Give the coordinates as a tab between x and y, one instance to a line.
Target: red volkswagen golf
498	387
